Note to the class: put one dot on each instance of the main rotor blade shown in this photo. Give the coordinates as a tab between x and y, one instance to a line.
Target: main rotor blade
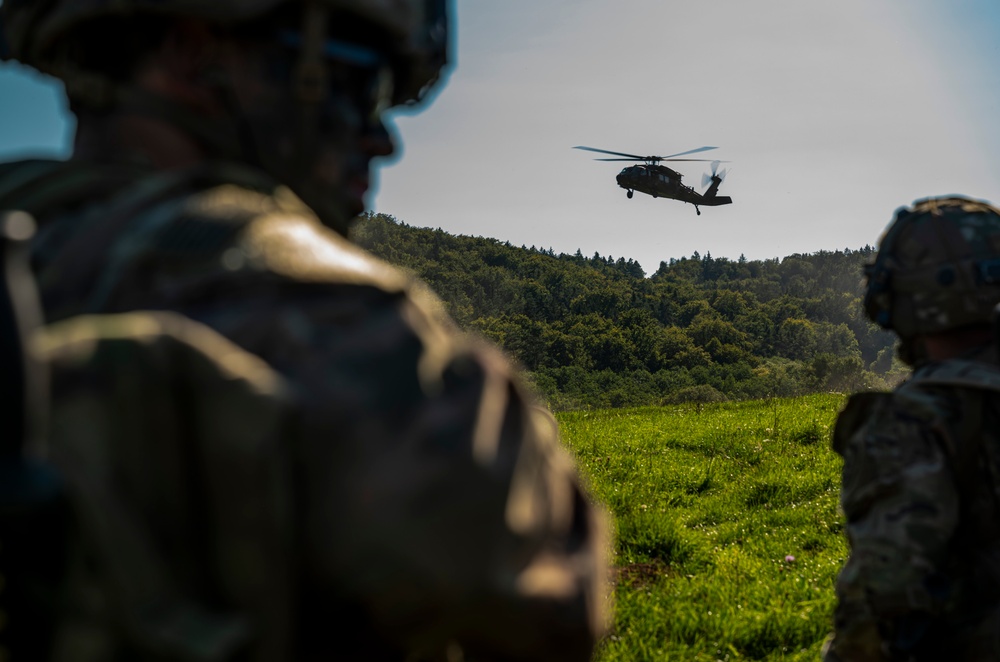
604	151
690	151
657	159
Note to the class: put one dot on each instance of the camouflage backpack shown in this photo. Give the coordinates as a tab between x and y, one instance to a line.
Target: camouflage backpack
145	408
83	579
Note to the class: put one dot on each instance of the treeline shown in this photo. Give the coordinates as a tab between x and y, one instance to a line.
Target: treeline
596	331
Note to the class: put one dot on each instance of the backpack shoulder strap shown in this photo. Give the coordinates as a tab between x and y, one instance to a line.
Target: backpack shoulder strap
86	209
42	187
33	513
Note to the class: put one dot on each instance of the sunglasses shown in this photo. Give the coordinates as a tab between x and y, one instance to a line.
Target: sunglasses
363	74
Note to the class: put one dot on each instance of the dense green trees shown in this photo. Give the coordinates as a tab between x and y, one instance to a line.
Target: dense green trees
597	332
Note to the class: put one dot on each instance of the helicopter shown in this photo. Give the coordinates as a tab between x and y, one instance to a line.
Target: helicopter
660	181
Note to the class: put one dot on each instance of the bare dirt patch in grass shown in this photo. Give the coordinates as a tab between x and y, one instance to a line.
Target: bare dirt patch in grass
639	575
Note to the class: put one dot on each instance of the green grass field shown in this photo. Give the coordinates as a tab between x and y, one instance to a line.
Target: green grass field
728	537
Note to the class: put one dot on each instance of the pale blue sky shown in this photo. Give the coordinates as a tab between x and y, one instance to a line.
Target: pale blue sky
833	113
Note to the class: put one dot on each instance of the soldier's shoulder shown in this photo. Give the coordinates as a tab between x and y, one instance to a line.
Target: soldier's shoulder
242	222
254	232
944	390
954	374
288	240
215	225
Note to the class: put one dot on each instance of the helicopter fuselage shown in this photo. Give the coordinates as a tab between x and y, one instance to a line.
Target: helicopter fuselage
662	182
659	181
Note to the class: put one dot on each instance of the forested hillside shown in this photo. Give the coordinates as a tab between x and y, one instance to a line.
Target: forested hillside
597	331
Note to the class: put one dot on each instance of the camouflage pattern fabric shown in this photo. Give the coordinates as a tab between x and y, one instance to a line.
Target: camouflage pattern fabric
392	489
937	267
921	484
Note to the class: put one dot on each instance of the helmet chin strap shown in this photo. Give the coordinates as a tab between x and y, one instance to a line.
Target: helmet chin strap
309	86
311	90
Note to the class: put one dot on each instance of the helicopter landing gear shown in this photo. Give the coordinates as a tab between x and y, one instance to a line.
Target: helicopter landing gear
629	194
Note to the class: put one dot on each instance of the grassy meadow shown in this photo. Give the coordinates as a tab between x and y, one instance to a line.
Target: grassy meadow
728	536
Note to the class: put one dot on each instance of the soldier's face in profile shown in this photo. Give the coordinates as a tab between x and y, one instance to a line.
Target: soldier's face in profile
322	149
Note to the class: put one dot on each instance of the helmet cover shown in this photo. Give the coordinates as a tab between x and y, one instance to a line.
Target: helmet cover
937	267
416	30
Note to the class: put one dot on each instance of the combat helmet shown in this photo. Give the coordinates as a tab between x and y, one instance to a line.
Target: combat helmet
374	53
937	268
416	30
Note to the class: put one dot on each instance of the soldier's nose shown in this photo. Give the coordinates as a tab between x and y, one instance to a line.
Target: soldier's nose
377	141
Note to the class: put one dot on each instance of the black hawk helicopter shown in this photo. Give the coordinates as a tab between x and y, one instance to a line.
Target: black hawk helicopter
660	181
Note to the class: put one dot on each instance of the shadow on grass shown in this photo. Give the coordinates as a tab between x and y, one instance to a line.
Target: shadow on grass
648	537
779	494
808	434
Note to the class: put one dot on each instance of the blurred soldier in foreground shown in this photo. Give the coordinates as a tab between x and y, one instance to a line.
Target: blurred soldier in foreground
343	476
921	483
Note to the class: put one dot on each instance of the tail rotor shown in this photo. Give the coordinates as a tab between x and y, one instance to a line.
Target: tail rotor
710	178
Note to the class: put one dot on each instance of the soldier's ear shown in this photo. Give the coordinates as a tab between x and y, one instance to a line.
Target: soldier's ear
184	67
189	47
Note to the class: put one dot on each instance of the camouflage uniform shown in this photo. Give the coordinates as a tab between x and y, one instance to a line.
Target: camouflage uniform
333	472
921	477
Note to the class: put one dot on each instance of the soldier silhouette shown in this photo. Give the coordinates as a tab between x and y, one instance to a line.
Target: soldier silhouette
275	446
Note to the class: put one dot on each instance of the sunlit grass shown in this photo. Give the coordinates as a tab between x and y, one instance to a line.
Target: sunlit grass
728	537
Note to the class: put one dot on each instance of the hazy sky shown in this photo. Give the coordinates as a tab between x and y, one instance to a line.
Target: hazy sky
832	113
